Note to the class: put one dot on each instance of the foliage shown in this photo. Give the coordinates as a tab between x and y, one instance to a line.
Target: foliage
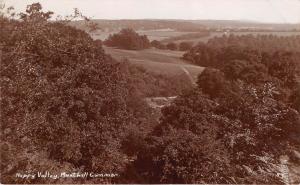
267	42
177	158
157	44
220	50
243	113
295	98
128	39
250	65
172	46
63	95
66	105
185	46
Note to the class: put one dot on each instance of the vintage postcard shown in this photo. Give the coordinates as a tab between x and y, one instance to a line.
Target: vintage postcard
150	92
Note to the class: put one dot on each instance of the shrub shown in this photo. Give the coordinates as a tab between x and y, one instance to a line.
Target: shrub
61	94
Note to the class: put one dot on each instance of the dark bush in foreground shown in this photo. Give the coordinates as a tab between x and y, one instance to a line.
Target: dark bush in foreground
66	105
62	100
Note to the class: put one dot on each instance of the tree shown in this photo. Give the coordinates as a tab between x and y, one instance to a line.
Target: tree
34	13
172	153
177	158
250	72
212	82
185	46
128	39
284	66
157	44
172	46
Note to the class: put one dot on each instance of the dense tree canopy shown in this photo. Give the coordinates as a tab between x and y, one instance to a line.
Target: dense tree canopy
172	46
242	116
157	44
185	46
128	39
62	95
219	50
265	42
240	127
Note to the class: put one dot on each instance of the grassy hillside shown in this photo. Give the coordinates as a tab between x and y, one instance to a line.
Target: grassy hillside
164	62
143	24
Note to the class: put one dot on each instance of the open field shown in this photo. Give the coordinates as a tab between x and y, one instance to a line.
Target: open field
158	61
162	34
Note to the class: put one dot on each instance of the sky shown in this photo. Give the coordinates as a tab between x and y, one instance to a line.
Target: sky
269	11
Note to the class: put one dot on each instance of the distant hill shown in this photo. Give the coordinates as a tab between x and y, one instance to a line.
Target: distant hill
186	25
245	24
116	25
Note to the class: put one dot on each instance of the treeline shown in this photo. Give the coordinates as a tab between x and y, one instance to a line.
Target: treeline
130	40
183	46
267	42
263	55
219	50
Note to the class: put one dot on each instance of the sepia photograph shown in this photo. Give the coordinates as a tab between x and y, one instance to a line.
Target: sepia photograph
150	92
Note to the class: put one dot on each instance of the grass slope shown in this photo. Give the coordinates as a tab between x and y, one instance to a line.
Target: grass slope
164	62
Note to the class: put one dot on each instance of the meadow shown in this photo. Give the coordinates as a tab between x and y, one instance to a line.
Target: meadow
163	62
